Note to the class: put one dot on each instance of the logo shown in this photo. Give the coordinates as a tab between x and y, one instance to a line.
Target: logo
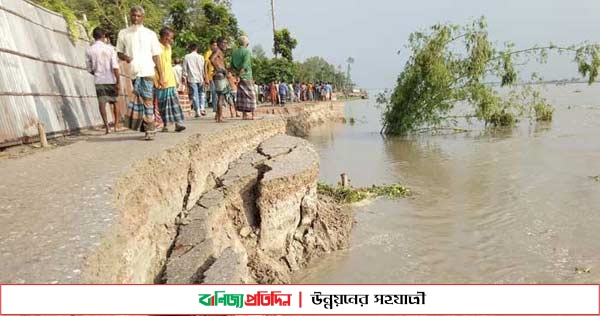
261	298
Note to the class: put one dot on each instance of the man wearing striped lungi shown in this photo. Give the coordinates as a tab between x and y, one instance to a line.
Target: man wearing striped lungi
241	63
166	92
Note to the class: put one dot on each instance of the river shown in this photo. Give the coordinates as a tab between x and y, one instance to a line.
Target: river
512	206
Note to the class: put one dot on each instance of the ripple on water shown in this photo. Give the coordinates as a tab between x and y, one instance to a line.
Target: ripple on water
511	206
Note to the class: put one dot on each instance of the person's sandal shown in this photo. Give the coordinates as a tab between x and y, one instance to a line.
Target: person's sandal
179	128
164	129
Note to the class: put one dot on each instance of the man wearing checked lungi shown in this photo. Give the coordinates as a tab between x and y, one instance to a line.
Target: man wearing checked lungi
140	48
241	63
166	93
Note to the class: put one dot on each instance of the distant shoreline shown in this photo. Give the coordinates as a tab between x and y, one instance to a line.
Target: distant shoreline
554	82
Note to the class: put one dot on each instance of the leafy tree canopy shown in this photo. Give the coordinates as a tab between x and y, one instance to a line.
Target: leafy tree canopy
284	44
193	20
449	64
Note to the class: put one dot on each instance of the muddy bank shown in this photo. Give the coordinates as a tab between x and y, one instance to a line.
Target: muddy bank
301	117
262	202
262	221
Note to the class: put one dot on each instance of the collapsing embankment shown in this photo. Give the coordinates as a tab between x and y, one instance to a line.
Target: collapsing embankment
236	206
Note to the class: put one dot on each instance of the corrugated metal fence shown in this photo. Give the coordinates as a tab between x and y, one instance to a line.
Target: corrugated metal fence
42	75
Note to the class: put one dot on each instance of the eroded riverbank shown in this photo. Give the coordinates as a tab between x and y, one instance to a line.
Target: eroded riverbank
105	209
262	221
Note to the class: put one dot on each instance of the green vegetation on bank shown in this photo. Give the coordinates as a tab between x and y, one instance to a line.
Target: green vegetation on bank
194	20
61	7
450	64
312	70
349	195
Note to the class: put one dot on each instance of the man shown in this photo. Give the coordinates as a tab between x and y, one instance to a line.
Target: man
283	92
194	76
140	48
210	72
101	60
241	63
291	92
298	91
329	89
319	91
221	83
166	93
303	88
310	92
178	70
273	93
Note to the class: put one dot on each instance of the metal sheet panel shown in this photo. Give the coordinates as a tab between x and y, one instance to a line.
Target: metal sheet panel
42	79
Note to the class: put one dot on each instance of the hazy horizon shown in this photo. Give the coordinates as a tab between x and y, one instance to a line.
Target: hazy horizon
373	31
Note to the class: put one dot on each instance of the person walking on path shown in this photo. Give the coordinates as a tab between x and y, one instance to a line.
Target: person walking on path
101	61
241	63
140	48
283	91
178	70
195	77
220	78
273	93
329	89
298	91
291	93
209	70
166	92
303	96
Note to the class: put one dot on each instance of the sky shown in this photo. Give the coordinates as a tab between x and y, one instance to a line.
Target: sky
372	31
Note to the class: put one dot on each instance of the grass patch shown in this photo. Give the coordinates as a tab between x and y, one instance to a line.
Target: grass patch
348	195
543	112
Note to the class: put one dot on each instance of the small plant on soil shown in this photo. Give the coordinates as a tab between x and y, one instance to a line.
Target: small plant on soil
348	195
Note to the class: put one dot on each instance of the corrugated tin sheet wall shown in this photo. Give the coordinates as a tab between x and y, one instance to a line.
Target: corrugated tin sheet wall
42	75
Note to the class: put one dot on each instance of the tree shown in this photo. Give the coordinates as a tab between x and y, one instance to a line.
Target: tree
258	52
316	69
284	44
193	20
349	62
226	3
448	65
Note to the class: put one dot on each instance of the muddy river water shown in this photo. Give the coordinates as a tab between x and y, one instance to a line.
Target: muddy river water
513	206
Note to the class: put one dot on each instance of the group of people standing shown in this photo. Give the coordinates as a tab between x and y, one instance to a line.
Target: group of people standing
156	80
279	92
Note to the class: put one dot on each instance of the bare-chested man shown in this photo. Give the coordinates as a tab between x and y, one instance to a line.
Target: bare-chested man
220	78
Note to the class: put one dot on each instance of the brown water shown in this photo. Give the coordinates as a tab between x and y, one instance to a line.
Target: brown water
516	206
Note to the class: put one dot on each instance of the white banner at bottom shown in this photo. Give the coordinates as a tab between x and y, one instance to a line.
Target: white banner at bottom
300	299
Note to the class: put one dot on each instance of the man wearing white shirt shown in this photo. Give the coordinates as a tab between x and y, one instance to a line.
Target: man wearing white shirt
101	61
139	47
195	78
